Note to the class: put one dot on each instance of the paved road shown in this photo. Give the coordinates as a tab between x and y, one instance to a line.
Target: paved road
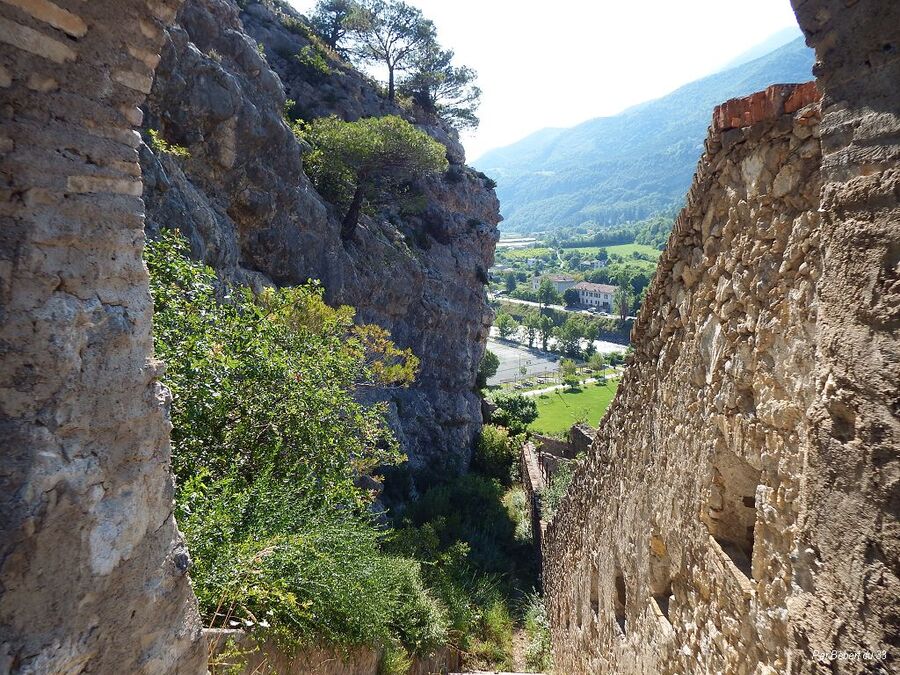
513	357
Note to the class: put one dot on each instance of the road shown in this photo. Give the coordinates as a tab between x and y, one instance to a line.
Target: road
513	357
555	387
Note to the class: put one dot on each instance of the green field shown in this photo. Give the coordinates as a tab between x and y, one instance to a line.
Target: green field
559	410
624	250
522	253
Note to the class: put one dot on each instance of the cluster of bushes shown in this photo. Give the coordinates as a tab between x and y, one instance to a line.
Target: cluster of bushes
268	446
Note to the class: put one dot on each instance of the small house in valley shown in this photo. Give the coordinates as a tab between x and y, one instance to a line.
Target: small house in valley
595	295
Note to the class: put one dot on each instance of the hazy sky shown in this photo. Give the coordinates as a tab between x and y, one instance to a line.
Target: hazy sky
555	64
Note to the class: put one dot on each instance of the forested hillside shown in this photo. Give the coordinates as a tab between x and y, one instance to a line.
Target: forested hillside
631	166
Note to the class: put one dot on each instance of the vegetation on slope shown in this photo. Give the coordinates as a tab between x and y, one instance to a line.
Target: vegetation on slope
358	165
270	448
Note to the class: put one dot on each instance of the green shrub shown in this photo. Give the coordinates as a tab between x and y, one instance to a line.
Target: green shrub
314	63
538	653
514	411
163	147
268	442
494	645
394	660
516	503
496	453
556	489
475	562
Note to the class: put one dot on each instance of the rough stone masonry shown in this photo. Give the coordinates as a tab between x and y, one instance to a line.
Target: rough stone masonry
92	567
737	512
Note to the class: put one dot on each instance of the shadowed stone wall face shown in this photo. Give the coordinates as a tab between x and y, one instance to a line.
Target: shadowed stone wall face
92	567
738	510
851	532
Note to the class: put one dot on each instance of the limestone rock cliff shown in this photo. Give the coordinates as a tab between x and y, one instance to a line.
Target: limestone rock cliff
243	200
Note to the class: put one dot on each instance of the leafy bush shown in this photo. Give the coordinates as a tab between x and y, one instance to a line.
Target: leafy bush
163	147
514	411
496	453
487	368
475	560
538	654
268	442
516	503
314	63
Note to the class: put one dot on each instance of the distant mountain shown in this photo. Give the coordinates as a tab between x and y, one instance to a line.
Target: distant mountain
631	166
770	44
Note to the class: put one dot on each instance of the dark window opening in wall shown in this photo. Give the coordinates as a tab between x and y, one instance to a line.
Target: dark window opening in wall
579	611
731	509
660	575
595	590
620	602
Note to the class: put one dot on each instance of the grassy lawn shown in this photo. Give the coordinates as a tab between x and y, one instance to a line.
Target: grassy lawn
559	410
627	249
522	253
624	250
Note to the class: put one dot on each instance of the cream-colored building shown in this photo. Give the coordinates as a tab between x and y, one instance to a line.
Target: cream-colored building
561	282
595	295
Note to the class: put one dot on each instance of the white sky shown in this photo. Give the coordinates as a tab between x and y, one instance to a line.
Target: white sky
555	64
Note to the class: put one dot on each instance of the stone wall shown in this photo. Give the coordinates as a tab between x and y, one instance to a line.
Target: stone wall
737	511
647	560
233	652
92	567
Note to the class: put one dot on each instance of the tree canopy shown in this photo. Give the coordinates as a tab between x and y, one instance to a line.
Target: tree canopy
366	161
487	368
443	89
506	325
390	32
397	35
332	20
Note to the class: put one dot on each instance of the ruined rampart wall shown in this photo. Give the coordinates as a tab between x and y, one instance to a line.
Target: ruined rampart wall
92	567
737	512
671	551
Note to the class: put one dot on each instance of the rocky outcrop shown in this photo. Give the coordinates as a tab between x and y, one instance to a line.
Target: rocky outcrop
243	200
737	511
92	567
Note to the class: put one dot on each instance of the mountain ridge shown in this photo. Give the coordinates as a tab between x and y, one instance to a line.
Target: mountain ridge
626	167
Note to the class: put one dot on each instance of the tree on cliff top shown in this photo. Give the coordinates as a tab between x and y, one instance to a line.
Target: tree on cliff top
332	20
440	88
390	32
366	161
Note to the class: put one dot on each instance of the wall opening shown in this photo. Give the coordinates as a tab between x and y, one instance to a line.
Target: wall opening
660	575
620	601
579	609
731	509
